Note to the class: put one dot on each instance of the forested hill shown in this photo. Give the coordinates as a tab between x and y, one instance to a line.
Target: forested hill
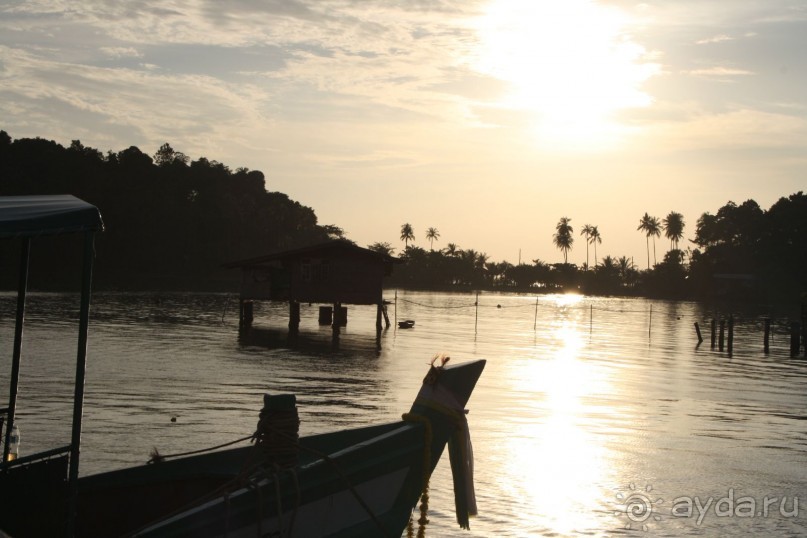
170	222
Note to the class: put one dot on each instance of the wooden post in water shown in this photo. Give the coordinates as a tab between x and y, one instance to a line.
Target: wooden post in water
336	325
714	332
650	323
795	338
379	313
535	322
476	316
731	334
804	320
722	332
396	307
698	332
767	338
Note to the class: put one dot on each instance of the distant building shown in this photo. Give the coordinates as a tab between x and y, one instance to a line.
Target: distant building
334	273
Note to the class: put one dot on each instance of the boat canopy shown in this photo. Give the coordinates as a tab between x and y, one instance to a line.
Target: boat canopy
24	218
27	216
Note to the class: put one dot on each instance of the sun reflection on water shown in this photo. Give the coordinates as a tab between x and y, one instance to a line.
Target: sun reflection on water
560	462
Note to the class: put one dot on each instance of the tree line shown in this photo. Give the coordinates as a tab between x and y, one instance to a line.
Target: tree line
170	221
741	251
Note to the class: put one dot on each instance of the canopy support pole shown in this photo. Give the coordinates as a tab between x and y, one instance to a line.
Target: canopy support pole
78	398
22	291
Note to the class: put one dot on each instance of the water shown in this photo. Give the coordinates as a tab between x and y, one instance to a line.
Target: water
588	406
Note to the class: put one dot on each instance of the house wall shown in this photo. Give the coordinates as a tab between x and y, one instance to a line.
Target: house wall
347	280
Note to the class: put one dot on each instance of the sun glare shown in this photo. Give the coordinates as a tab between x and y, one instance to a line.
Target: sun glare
571	64
567	462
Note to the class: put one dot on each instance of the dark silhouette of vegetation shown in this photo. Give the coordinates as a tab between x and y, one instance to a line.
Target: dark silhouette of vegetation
432	235
382	248
586	232
594	238
407	234
170	222
651	228
563	238
768	247
673	225
760	255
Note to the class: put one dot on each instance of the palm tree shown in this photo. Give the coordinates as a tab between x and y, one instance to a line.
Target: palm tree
563	238
451	249
595	238
673	228
431	235
586	231
626	268
625	265
651	227
481	260
407	234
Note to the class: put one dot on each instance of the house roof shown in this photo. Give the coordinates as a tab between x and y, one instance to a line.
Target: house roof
27	216
330	248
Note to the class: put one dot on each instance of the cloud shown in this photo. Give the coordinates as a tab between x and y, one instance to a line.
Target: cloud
716	39
156	105
719	72
737	127
121	52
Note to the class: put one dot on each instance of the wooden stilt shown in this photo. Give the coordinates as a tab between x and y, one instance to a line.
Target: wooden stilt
386	316
337	323
294	316
731	335
795	338
767	338
698	332
245	314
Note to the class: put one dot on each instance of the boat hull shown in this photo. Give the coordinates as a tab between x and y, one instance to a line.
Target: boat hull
352	483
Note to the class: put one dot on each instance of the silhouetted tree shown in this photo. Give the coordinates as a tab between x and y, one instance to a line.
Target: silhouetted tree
382	248
563	238
594	239
168	225
586	232
407	234
335	232
432	234
166	156
650	226
673	228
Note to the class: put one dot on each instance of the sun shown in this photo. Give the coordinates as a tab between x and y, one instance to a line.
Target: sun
571	65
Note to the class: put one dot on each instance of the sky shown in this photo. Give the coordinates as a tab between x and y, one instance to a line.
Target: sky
488	120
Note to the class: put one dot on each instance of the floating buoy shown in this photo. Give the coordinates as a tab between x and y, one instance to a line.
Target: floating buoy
173	419
406	324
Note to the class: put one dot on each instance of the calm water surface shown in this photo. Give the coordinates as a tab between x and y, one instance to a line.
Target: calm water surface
588	406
